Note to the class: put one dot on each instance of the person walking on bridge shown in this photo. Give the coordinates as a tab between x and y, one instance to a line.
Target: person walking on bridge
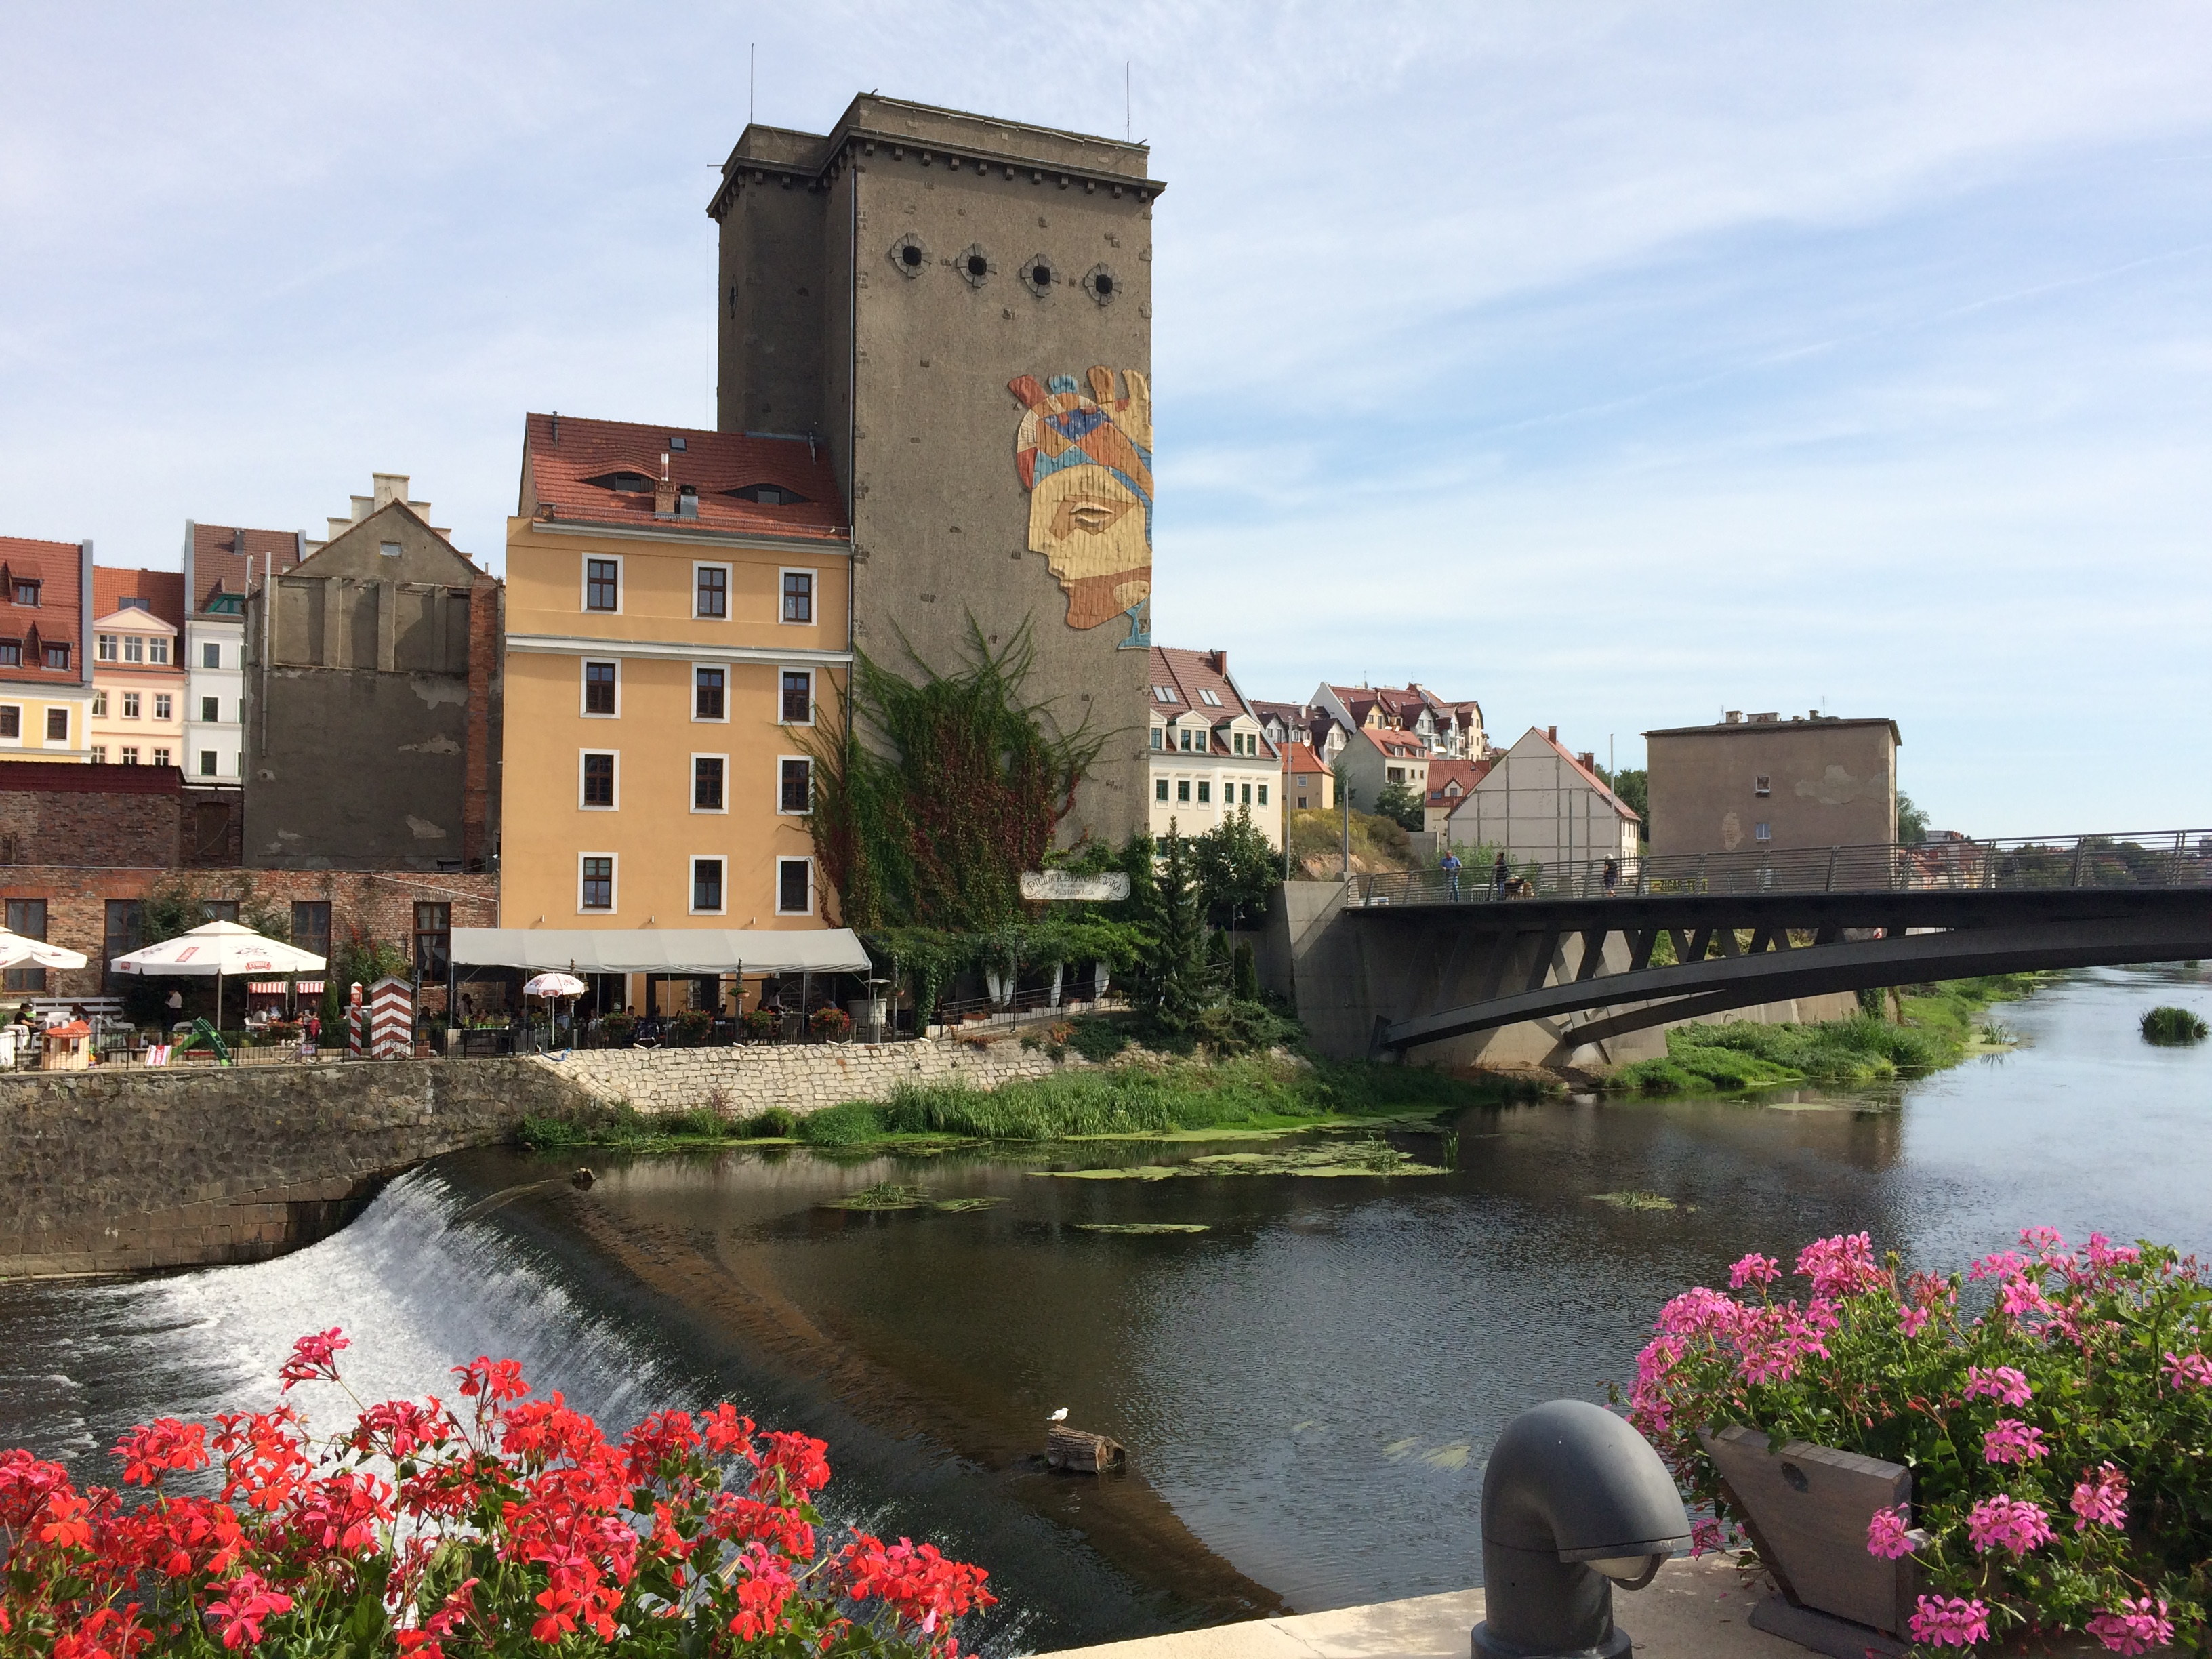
1500	875
1450	866
1611	876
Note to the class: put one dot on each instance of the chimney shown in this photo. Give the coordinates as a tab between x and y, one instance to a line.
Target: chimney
1553	733
1735	717
1589	758
1219	662
664	493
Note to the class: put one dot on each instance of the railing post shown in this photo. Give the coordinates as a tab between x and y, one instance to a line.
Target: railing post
2080	844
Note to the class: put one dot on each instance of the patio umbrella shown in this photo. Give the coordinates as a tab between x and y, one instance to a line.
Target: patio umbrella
555	985
219	948
16	950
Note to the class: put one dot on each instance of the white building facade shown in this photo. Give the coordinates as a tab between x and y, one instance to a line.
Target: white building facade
223	562
1210	757
1539	802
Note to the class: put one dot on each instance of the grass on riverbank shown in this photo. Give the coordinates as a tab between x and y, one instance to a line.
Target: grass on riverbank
1258	1092
1940	1028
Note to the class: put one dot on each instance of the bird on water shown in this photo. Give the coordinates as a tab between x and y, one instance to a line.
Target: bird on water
1059	1416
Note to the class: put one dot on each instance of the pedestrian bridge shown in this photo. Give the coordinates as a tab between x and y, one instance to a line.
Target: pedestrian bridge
1589	952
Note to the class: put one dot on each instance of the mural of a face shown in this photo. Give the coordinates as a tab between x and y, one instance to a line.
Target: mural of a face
1087	461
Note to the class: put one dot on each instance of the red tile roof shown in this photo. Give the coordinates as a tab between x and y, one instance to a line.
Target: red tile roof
1300	758
162	590
1185	674
57	619
557	473
1465	773
219	555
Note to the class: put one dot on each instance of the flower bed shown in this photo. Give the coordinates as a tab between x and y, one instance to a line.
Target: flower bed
514	1527
2060	1441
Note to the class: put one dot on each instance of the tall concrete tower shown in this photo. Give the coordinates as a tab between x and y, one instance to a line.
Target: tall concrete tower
960	310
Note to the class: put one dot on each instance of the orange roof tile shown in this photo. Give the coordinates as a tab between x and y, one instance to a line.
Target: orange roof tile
1465	773
220	552
162	590
57	619
558	472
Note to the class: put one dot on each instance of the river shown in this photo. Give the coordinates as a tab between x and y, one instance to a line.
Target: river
1307	1387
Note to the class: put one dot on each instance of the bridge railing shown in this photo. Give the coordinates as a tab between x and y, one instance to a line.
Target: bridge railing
2165	858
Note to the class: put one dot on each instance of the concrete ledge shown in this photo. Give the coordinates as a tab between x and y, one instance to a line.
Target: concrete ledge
1693	1610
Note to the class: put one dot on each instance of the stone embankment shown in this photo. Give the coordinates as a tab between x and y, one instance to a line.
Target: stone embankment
119	1171
738	1082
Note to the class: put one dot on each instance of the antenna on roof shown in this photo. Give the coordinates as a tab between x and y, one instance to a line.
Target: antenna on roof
1125	101
751	50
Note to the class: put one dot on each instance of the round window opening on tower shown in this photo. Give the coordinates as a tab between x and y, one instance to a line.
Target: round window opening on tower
1099	283
910	255
1102	283
1036	275
1041	275
978	265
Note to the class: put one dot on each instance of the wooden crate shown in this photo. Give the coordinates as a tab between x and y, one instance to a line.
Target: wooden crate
1080	1452
1807	1508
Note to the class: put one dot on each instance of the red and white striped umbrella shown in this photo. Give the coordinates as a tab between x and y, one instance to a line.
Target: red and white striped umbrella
219	947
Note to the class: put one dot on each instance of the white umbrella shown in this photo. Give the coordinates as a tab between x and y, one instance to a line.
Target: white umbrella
555	985
219	948
16	950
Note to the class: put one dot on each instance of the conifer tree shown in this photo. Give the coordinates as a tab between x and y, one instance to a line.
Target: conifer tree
1179	983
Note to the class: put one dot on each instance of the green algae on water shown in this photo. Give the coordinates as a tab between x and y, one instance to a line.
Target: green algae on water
892	1196
1135	1227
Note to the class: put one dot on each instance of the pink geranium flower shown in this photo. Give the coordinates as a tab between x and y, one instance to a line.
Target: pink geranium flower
2188	1370
2134	1626
2004	1383
1949	1622
1754	1269
2011	1441
2101	1499
1842	1265
1888	1535
2007	1523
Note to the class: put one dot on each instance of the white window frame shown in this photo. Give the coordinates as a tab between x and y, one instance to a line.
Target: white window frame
813	594
62	710
614	884
781	811
584	587
729	590
99	754
206	645
580	805
1183	792
210	764
811	699
100	705
1159	792
1762	832
779	911
691	786
134	649
160	713
133	702
105	649
157	649
691	881
17	740
1160	738
729	690
583	688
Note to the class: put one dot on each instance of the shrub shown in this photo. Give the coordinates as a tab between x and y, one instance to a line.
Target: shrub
618	1029
1097	1037
830	1024
762	1023
773	1124
2057	1441
516	1524
2173	1025
1241	1028
694	1026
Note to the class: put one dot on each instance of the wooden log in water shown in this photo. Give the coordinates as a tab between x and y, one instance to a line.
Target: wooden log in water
1080	1452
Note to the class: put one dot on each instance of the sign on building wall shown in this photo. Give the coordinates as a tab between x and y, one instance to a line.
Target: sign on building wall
1063	886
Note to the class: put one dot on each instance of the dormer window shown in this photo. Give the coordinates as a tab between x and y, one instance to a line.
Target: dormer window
1159	739
1206	695
134	603
226	605
106	647
766	494
57	656
1164	694
26	593
623	483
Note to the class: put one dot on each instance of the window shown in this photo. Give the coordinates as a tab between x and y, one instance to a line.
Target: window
1247	801
1164	694
389	549
157	650
134	647
100	705
26	592
1762	832
58	655
1183	741
794	788
1159	789
164	705
1206	695
11	654
104	649
798	696
1762	786
706	783
131	704
1205	792
99	754
210	656
595	887
28	918
219	909
57	725
709	686
119	933
710	594
601	683
1263	794
706	886
602	584
11	721
798	596
311	925
207	763
160	757
129	755
1183	790
766	495
794	887
433	939
1160	738
599	781
1393	773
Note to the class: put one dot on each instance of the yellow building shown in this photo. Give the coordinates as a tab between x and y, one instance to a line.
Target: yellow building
45	670
677	607
138	675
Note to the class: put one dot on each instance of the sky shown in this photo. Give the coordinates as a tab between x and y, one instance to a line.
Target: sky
1612	364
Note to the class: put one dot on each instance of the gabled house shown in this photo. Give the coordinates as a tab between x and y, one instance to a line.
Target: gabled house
1539	801
1378	758
1309	784
1211	756
223	563
372	700
1448	782
138	675
1444	729
46	650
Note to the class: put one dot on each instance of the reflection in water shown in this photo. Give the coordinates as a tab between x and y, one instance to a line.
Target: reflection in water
1307	1387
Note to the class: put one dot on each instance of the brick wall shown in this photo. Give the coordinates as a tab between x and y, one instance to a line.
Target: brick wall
115	815
380	906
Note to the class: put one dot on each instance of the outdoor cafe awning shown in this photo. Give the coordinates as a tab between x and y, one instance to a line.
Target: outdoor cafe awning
276	987
661	949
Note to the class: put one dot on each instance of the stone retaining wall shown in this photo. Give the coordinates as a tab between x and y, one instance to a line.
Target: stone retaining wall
801	1078
123	1171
